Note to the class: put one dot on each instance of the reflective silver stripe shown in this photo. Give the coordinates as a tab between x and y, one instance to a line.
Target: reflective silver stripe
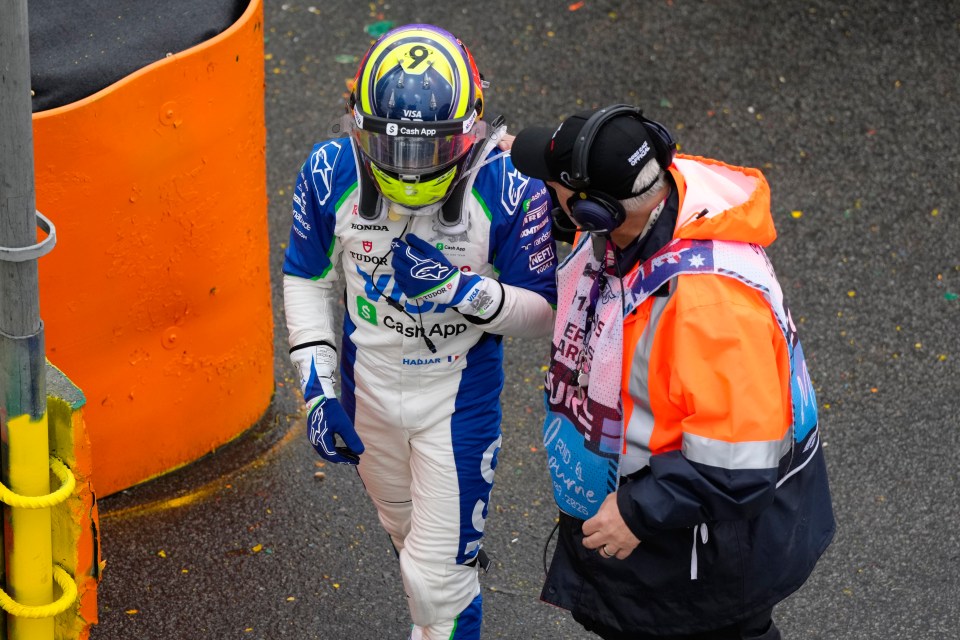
786	445
761	454
640	425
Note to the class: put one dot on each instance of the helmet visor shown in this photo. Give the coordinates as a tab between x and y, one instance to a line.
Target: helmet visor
413	147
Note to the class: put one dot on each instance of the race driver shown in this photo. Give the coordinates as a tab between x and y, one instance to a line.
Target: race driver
438	246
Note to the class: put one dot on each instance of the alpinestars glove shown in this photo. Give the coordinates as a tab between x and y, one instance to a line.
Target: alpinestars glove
326	418
424	273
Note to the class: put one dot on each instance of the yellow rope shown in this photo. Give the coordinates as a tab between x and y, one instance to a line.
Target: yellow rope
68	587
67	484
69	594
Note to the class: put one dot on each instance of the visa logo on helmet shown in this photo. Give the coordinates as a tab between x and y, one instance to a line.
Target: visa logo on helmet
639	154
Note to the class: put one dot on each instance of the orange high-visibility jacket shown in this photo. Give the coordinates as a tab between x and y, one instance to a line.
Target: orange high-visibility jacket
717	368
730	523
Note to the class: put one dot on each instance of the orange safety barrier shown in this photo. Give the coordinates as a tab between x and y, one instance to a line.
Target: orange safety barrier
156	300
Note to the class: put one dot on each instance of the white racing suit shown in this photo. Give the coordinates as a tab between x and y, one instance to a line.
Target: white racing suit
430	421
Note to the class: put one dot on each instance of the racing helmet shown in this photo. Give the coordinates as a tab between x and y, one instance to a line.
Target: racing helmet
414	113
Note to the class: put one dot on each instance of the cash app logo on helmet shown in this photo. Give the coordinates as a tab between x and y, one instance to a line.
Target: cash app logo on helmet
416	104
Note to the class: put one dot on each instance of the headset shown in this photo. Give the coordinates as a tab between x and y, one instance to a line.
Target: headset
595	210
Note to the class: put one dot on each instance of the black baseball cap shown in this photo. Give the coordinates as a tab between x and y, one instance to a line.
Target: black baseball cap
621	149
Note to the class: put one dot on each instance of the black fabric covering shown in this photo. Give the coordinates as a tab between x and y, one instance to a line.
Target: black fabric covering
78	47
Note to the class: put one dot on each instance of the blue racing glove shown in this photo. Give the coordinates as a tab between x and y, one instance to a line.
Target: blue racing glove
326	419
424	273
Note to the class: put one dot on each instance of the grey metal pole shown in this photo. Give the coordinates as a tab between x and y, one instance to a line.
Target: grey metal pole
24	445
19	282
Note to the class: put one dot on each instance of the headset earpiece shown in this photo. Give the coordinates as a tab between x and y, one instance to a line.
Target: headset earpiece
663	143
596	211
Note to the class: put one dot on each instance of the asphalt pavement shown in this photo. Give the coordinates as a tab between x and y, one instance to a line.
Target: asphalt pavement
847	107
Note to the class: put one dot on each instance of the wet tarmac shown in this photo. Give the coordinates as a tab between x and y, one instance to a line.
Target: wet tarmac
850	110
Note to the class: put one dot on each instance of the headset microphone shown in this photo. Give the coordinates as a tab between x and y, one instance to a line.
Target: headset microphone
564	229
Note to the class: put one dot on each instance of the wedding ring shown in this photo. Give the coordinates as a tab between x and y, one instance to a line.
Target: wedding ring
605	553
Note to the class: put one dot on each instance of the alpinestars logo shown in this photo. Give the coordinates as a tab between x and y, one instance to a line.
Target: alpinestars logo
514	184
321	168
427	268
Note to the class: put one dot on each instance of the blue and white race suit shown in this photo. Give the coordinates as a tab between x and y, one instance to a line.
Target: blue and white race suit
430	421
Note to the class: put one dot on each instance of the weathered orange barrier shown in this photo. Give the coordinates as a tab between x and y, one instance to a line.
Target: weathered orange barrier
156	300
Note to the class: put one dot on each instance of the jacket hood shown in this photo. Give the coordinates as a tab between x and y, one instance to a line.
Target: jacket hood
722	202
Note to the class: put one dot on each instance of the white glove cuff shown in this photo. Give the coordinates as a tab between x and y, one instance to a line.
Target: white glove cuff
327	385
319	358
483	300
